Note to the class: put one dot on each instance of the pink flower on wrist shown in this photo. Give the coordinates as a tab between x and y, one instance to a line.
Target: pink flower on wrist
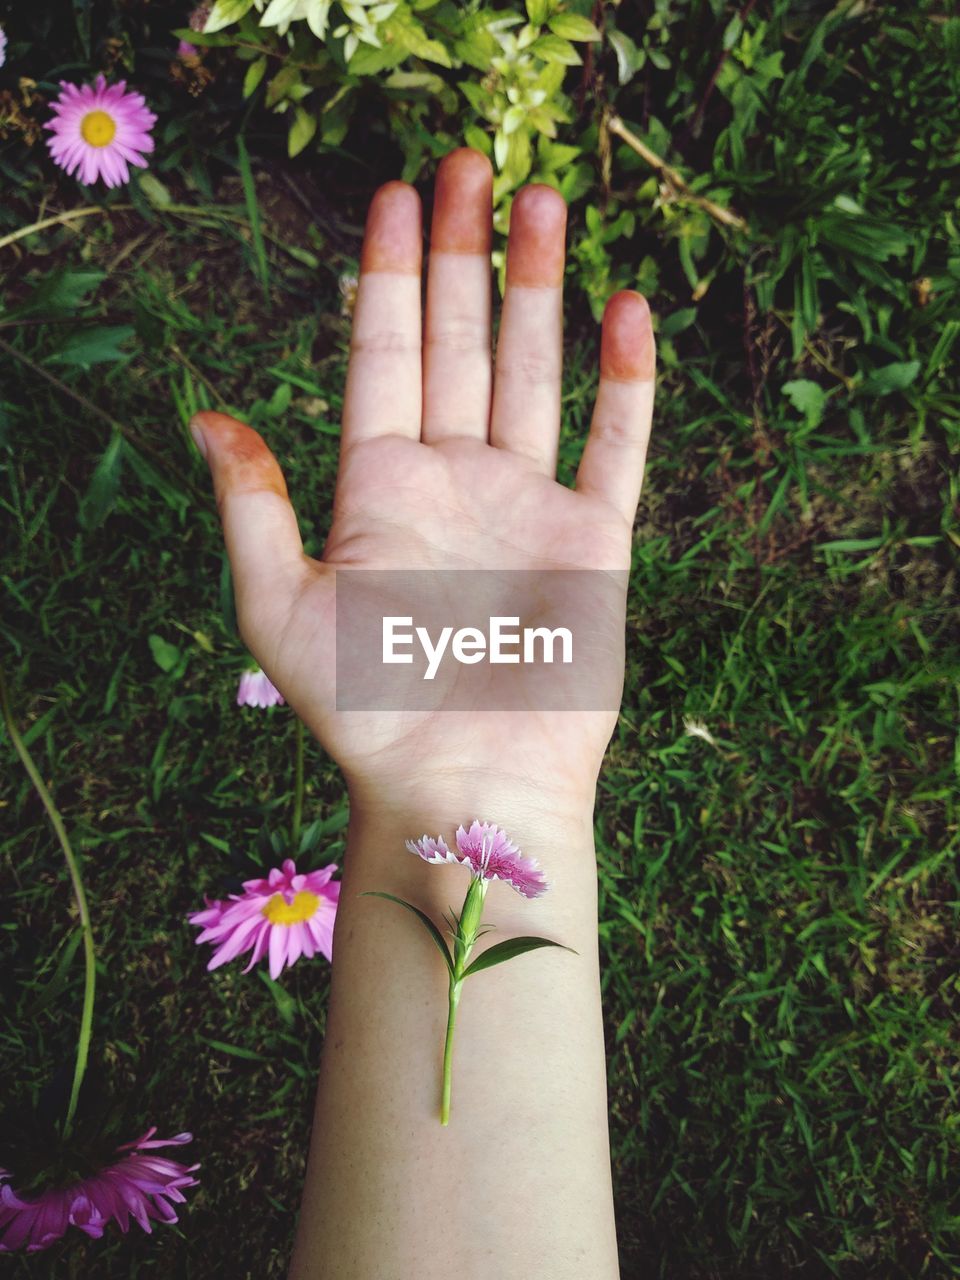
489	853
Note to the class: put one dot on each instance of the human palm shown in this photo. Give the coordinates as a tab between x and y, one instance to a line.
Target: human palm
448	464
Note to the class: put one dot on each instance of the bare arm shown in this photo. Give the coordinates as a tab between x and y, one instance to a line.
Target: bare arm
448	460
519	1184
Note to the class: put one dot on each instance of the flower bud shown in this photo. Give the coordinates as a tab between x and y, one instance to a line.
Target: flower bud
470	917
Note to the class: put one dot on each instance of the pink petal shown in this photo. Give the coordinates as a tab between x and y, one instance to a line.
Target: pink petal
317	881
263	941
430	849
322	930
89	169
278	946
238	942
294	944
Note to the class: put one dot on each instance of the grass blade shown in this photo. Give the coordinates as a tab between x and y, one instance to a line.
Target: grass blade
253	213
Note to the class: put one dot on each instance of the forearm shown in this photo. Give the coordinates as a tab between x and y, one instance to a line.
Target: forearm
518	1185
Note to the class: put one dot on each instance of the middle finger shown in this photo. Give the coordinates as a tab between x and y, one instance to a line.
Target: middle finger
457	353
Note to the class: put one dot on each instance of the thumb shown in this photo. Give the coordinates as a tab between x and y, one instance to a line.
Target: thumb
259	526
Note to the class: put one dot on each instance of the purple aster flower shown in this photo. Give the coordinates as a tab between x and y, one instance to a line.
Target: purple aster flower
98	129
142	1186
286	913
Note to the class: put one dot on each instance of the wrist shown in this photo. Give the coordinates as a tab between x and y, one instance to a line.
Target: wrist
552	827
441	801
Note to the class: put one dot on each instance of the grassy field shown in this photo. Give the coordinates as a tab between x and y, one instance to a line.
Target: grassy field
778	815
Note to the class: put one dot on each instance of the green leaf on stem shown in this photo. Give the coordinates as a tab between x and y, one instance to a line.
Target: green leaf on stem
573	26
507	950
552	48
425	920
225	12
301	131
255	73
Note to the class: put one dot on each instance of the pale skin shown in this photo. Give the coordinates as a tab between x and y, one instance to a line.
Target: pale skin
519	1184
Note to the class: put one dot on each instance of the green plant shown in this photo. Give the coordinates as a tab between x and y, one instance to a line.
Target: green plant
318	62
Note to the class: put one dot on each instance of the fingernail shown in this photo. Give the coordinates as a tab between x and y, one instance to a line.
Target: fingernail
198	438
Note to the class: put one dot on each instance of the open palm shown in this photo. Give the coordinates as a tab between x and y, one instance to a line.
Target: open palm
447	463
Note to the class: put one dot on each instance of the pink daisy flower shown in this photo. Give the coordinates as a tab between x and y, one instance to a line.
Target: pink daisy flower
286	913
98	129
489	853
141	1186
256	690
3	46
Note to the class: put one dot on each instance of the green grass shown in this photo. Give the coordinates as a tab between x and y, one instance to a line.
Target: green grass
168	789
778	899
778	905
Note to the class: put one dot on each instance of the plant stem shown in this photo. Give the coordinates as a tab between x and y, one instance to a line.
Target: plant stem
468	926
673	178
455	988
90	968
297	788
58	219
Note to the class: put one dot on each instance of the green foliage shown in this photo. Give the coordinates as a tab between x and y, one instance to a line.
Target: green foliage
93	346
765	115
504	80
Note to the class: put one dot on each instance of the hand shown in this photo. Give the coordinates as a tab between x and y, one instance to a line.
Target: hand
446	463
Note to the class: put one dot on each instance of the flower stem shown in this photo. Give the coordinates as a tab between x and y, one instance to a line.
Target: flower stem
90	966
468	926
455	988
59	218
297	788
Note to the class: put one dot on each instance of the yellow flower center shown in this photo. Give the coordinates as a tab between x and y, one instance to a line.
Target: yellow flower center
303	906
98	128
